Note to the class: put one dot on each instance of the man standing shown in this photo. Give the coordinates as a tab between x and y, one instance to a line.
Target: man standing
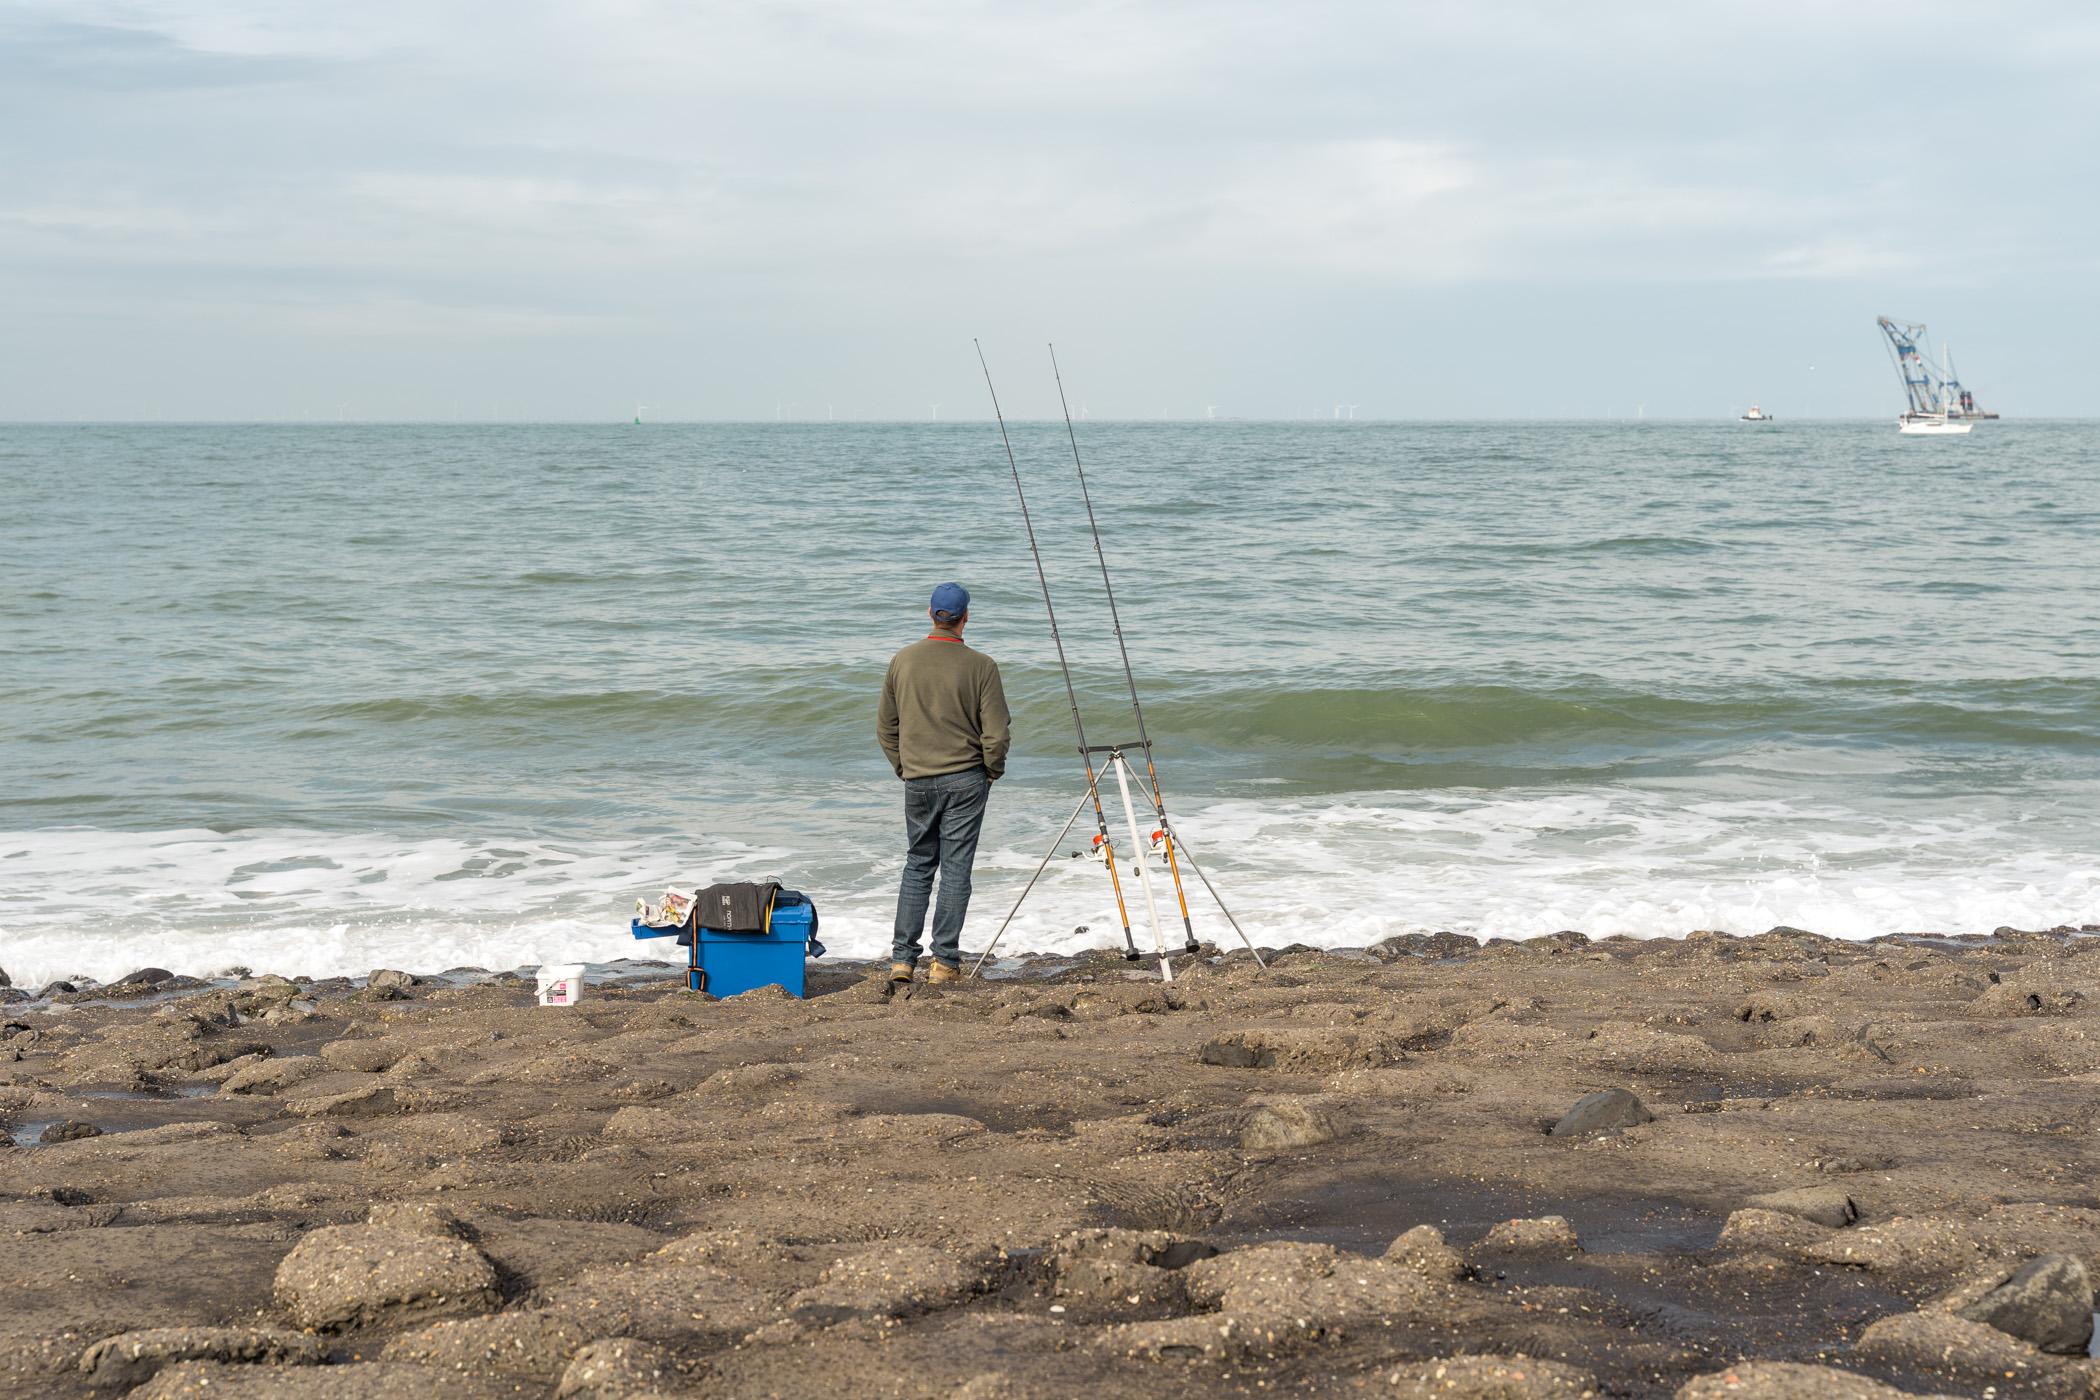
943	726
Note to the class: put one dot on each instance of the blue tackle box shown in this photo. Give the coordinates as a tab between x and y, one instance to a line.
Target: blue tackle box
723	964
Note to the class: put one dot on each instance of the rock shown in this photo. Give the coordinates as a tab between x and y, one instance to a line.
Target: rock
1302	1049
893	1280
417	1218
2048	1302
372	1099
508	1344
71	1130
1289	1123
669	1298
1117	1270
1547	1232
1489	1378
1423	1250
362	1056
1787	1380
387	978
5	980
59	988
363	1380
133	1358
145	977
1947	1345
268	1076
1825	1205
616	1366
1270	1297
1305	1289
1606	1111
355	1275
1424	945
1773	1230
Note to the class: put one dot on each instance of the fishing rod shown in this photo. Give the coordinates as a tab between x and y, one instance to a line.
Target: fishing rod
1165	834
1086	755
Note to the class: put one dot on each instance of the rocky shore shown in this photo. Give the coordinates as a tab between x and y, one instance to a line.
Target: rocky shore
1770	1166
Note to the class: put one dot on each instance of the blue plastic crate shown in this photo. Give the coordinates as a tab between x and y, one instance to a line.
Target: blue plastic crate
737	962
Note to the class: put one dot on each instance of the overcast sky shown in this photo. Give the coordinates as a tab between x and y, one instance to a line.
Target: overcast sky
524	209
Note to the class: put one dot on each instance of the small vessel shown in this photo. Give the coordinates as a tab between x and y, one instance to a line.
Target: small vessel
1757	415
1930	425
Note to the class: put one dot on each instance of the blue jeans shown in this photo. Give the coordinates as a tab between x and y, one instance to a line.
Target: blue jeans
942	816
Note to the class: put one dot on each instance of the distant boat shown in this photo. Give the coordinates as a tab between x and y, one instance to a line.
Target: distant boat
1938	403
1758	415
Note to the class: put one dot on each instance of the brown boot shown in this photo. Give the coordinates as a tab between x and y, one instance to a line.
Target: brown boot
901	972
940	972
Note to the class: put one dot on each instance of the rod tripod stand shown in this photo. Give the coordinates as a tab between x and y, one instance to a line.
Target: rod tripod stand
1163	834
1163	837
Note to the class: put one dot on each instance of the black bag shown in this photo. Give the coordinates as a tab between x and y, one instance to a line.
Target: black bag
741	907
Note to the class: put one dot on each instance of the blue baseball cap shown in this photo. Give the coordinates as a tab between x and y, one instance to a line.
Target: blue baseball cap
952	599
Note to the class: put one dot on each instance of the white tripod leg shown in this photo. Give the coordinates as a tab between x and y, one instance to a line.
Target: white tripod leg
1137	846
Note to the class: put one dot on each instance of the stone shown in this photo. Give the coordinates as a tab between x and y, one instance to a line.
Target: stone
358	1380
616	1366
387	978
1302	1049
1789	1380
1828	1206
133	1358
270	1075
1285	1291
2048	1302
355	1275
5	980
1546	1232
417	1218
71	1130
362	1056
353	1103
533	1343
1468	1377
1606	1111
1772	1230
2028	994
894	1280
1117	1270
1947	1345
1289	1123
145	977
58	988
1423	1249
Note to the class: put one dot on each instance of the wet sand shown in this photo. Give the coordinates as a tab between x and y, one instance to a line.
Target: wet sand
1073	1180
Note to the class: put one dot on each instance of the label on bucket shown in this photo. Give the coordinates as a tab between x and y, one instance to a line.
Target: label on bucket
561	984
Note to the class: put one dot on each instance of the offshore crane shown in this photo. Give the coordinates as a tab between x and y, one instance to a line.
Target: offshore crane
1933	392
1923	383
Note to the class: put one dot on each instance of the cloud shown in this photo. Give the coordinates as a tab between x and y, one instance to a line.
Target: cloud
801	164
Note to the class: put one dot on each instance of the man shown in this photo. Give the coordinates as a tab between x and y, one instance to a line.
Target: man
943	726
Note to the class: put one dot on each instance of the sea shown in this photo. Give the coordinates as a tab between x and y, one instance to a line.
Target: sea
317	699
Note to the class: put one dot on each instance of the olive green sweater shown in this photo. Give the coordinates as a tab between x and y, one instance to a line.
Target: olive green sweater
943	710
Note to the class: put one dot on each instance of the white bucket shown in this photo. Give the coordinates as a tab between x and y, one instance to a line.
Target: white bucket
561	984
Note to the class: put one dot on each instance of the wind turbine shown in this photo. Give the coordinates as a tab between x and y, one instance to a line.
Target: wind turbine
936	413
